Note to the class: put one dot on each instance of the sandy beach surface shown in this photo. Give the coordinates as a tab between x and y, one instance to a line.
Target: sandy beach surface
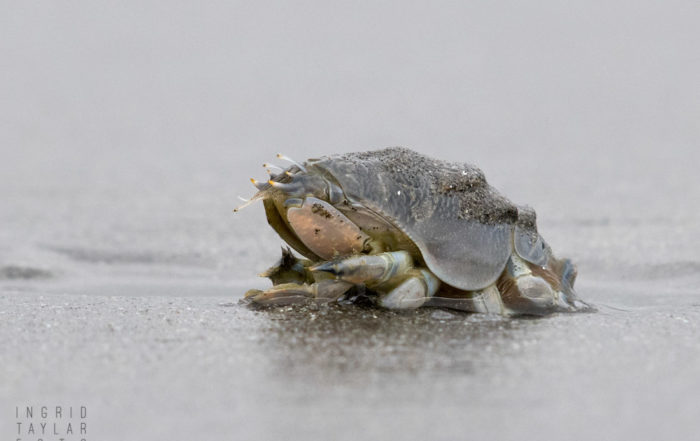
127	131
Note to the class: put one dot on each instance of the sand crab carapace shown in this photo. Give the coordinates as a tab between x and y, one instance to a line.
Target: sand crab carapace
410	230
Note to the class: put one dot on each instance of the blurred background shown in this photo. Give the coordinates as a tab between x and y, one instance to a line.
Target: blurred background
128	129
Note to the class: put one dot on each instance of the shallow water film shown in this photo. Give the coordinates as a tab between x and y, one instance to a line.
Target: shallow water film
127	135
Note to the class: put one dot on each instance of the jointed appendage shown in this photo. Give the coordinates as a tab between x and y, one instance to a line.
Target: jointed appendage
294	293
398	284
391	275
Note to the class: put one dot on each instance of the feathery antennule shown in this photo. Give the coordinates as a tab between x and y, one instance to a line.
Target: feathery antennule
286	158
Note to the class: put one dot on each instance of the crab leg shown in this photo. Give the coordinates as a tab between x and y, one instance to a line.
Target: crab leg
413	291
391	274
371	269
294	293
487	300
523	291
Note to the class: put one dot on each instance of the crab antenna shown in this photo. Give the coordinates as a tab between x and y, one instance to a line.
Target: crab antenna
247	202
290	189
243	199
270	174
286	158
272	166
259	185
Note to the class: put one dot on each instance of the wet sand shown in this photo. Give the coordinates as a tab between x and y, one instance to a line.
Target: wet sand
183	367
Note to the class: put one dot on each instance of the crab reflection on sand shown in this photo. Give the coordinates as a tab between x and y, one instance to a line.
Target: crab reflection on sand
324	341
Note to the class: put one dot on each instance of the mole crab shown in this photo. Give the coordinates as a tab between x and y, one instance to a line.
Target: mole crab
411	231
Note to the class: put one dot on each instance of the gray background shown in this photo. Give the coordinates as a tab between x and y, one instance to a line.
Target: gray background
127	129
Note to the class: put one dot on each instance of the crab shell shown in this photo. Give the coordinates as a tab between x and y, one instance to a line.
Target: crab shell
445	214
